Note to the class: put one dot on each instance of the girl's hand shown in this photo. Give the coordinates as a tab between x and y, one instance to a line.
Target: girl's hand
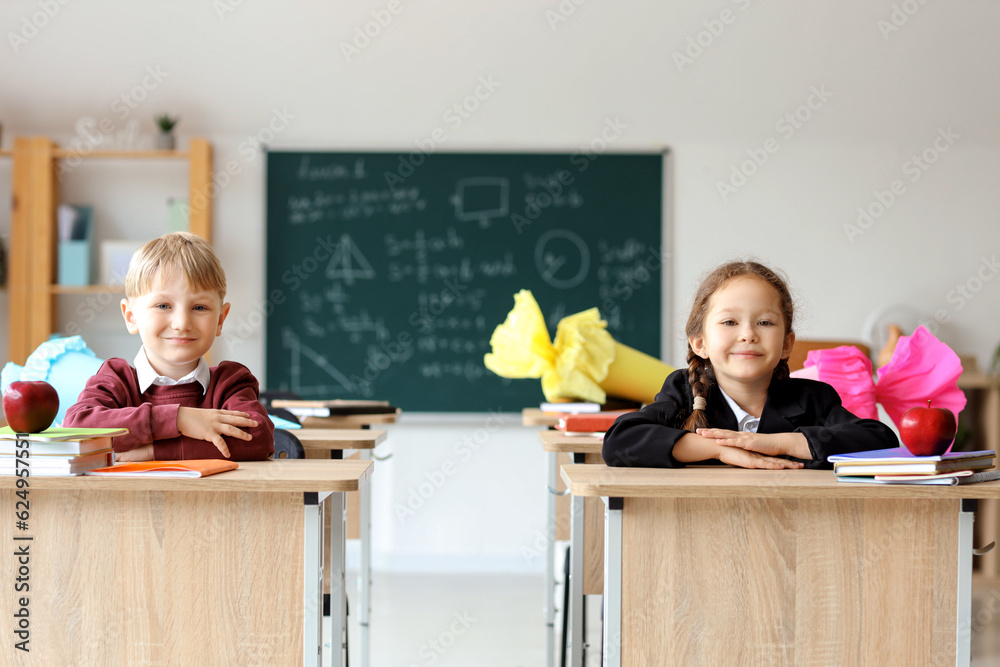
745	459
768	444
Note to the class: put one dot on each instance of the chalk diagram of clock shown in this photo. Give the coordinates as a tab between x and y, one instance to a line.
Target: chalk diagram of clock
562	258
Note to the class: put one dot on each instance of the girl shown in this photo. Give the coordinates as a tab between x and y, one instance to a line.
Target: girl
735	402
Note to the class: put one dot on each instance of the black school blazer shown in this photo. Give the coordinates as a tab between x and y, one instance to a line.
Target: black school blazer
646	438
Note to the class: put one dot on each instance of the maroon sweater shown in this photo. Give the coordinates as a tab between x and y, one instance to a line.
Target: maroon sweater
112	399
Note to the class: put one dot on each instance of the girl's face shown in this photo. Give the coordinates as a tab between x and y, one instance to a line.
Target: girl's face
744	333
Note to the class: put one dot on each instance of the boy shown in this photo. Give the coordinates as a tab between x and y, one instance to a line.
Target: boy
172	403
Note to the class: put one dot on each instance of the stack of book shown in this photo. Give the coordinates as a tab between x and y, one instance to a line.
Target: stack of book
334	408
899	466
574	407
587	423
57	452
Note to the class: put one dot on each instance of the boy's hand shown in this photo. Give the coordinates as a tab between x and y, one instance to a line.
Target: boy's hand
140	453
742	458
211	425
768	444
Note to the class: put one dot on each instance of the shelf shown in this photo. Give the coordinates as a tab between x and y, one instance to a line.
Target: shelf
62	153
87	289
33	309
6	152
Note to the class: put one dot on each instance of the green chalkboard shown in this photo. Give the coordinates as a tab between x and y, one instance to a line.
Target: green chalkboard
388	272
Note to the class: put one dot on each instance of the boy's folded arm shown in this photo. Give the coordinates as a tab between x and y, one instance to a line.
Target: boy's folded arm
103	403
241	395
245	397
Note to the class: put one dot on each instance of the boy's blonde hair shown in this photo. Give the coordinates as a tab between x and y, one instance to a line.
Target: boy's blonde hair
183	251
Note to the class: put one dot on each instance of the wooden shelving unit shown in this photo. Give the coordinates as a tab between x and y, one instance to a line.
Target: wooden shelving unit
33	241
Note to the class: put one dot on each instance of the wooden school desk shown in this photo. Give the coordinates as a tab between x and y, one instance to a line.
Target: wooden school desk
983	415
330	443
358	504
586	575
222	570
581	518
709	565
555	528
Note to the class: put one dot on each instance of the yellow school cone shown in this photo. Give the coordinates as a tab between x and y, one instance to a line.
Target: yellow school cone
584	363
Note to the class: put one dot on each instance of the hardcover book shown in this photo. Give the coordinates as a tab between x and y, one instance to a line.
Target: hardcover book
594	422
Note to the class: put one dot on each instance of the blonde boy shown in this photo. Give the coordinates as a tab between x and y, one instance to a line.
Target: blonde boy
172	403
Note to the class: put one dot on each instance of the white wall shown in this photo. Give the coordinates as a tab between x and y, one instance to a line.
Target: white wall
889	96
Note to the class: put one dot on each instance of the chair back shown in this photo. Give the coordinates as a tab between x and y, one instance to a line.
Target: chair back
801	348
287	446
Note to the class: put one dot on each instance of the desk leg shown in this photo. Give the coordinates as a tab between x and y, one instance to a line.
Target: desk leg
576	600
550	565
366	564
963	640
312	581
612	582
338	605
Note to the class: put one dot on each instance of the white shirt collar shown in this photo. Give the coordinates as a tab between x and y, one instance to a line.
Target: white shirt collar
148	376
745	420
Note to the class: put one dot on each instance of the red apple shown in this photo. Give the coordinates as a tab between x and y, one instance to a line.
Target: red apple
30	406
927	431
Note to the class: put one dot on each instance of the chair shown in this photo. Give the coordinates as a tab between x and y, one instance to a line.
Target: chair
283	413
801	348
287	446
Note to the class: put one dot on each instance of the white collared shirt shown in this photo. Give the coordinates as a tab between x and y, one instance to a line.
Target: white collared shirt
148	375
746	421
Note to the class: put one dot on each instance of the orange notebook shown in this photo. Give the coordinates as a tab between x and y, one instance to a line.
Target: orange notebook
592	422
191	468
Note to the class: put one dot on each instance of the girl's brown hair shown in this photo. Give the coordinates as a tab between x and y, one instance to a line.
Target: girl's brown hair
701	377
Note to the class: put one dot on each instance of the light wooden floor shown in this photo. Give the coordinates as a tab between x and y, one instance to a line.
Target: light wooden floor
496	621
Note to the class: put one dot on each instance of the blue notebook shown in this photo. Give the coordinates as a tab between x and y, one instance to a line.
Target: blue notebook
903	454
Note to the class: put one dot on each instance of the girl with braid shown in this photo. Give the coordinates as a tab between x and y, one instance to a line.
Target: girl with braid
735	402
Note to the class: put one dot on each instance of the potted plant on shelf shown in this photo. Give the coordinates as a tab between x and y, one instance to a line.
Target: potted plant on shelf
166	140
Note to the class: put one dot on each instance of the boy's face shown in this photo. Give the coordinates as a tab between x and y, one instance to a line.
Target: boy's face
177	326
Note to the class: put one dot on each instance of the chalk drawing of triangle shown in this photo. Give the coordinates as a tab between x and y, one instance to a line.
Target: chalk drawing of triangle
348	263
297	350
